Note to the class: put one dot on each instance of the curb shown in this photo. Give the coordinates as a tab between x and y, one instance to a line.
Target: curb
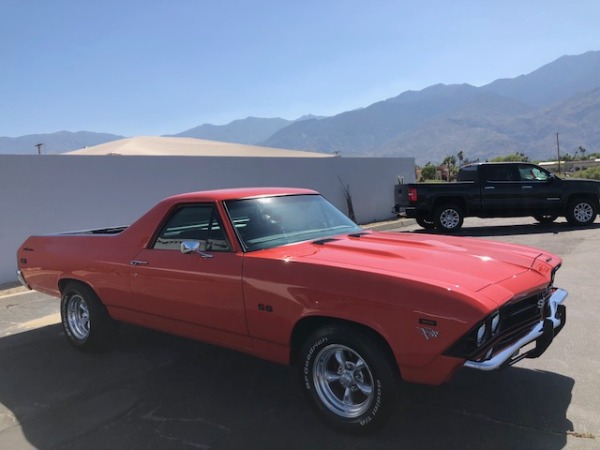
12	288
391	225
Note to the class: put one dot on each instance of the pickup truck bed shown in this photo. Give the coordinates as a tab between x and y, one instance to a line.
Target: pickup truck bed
111	230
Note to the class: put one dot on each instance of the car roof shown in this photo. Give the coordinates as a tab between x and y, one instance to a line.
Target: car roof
489	163
238	193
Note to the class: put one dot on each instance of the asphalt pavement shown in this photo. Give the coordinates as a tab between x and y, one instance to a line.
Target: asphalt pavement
154	391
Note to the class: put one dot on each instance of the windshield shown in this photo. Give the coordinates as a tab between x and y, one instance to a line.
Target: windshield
273	221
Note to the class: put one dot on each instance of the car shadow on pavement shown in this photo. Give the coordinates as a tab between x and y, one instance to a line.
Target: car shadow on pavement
508	230
156	391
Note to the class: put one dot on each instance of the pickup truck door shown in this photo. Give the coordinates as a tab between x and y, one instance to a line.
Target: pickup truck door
200	289
502	192
539	190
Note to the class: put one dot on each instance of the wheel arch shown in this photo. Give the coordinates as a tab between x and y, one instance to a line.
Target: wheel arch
590	196
307	325
459	201
64	282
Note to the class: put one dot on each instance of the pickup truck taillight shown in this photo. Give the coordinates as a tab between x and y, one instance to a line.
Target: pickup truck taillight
412	194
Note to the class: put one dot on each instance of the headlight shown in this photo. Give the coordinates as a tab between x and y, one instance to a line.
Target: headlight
495	323
481	335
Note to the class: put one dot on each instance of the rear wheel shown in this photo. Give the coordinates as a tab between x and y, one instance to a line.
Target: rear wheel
581	211
349	378
85	320
448	218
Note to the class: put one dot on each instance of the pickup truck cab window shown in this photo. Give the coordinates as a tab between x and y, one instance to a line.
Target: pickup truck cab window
468	173
500	172
193	223
532	173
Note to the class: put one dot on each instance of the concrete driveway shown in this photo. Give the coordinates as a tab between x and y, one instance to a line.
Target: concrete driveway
154	391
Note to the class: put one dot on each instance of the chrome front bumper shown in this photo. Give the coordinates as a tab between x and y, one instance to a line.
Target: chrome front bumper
542	334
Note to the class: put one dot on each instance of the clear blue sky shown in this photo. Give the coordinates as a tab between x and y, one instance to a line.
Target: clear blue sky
152	67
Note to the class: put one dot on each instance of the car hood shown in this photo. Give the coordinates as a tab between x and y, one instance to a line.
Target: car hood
471	264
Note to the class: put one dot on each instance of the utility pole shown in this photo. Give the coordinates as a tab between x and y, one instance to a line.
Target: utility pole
558	152
39	147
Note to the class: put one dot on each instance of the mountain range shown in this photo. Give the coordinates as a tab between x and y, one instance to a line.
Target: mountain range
521	114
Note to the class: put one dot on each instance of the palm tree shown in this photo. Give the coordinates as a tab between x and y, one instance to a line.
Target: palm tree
450	162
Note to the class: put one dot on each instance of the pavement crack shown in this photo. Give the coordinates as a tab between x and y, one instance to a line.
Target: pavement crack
572	433
151	416
581	435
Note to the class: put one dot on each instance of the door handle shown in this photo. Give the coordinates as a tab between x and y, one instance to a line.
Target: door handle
526	187
136	262
490	187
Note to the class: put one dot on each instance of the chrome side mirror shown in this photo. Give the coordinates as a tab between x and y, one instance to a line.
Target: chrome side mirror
199	247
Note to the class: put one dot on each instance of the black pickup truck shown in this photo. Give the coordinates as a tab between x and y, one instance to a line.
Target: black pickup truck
499	190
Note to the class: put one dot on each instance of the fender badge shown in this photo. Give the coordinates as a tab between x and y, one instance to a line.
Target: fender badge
428	333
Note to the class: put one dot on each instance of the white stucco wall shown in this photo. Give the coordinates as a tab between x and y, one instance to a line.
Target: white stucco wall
50	194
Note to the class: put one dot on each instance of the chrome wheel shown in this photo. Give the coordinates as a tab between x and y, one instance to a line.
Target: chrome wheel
449	219
78	317
583	212
343	381
349	376
85	319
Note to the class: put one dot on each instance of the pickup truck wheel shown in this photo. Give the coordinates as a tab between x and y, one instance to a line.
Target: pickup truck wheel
545	218
428	224
581	212
85	320
448	218
348	378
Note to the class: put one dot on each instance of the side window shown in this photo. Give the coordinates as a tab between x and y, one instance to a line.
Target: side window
501	172
193	223
532	173
467	173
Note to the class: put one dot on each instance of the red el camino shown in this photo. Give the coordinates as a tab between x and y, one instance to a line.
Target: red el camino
281	274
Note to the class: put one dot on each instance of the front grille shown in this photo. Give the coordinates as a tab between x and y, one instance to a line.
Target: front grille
516	319
522	313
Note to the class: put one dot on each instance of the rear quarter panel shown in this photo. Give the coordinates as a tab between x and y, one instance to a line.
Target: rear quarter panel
100	261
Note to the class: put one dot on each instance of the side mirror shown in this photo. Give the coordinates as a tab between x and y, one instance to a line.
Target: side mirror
199	247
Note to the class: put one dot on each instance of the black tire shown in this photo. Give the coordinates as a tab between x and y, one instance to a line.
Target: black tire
428	224
448	218
545	218
85	320
349	378
581	211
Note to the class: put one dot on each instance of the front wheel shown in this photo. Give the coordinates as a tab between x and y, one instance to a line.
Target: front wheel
448	218
581	211
349	378
85	320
